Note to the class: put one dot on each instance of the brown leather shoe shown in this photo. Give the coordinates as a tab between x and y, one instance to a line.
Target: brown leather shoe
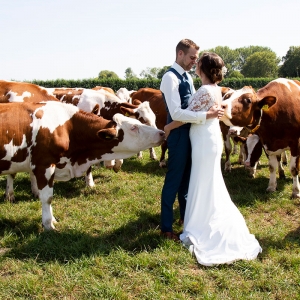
170	236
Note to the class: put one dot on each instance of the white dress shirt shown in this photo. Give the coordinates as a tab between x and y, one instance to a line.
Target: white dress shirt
169	87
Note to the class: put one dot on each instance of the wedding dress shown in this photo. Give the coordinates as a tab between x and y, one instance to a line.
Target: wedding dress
214	229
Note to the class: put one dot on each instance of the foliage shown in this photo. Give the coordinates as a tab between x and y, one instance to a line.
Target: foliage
135	84
150	73
108	245
261	64
162	71
235	74
129	74
236	59
291	63
107	74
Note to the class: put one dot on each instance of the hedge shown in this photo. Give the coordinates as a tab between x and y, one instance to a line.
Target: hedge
135	84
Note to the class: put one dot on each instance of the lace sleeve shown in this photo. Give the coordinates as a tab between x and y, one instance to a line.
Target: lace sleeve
202	100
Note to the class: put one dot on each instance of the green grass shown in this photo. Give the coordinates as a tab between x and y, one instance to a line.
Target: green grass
108	246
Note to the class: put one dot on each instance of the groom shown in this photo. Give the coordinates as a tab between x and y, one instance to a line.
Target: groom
177	87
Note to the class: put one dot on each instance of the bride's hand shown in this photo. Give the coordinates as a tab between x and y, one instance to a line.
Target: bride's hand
167	131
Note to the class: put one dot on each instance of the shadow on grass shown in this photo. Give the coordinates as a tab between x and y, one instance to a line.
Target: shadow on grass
134	236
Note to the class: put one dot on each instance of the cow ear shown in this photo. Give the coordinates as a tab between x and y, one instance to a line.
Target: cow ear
136	102
107	134
267	102
96	109
127	112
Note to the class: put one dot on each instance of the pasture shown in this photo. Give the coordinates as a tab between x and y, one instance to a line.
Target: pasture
108	244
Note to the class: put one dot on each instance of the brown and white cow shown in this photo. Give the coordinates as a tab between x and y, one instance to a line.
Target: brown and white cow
158	106
273	113
124	94
58	141
229	134
108	89
12	91
105	104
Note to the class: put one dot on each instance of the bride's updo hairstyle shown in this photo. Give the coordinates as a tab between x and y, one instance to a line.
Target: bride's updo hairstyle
212	65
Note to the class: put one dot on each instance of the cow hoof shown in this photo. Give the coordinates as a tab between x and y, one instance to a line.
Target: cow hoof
295	195
10	198
116	169
271	189
163	164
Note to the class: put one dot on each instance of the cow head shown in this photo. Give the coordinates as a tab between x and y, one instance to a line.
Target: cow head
243	107
137	136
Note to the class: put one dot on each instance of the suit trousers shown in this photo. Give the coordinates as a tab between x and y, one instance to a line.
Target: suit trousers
177	177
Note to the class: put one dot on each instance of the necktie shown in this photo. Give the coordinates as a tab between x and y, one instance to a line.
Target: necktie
185	76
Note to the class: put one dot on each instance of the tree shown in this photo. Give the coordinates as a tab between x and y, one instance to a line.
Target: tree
107	74
261	64
245	52
291	63
162	71
149	73
235	74
228	55
129	74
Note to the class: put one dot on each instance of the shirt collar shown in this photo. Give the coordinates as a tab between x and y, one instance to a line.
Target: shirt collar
178	68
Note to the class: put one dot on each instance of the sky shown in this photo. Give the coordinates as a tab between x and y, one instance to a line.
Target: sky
72	39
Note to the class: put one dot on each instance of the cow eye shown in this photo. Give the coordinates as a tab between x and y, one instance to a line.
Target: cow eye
248	100
134	128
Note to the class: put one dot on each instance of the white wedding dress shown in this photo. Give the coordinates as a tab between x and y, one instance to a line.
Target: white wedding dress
214	229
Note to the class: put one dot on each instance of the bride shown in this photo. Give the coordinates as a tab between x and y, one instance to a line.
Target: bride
214	229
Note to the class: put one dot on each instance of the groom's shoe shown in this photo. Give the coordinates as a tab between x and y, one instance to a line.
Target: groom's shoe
170	236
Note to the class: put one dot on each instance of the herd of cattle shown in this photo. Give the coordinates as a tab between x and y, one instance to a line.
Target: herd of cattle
59	133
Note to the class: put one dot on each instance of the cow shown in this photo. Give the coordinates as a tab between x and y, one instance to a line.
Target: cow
273	114
58	141
108	89
12	91
105	104
158	106
124	94
229	134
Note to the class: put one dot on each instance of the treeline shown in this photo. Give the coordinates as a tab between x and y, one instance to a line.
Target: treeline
135	84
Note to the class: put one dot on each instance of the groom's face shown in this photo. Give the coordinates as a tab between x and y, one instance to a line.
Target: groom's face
187	60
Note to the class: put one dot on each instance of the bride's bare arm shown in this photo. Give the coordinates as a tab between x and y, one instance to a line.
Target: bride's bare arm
172	125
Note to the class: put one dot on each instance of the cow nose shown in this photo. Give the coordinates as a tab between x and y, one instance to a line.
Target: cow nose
224	106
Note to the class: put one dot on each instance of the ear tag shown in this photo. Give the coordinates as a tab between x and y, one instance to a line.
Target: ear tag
126	114
265	107
108	136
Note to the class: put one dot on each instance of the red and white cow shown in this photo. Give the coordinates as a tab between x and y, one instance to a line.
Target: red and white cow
158	106
108	89
229	134
124	94
12	91
274	114
58	141
105	104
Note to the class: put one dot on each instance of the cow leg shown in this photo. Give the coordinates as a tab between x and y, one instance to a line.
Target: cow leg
294	171
284	158
242	154
280	168
118	165
45	179
9	192
34	188
152	154
89	181
228	149
162	161
272	168
235	149
140	155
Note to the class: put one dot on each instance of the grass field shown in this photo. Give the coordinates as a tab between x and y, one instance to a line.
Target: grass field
108	246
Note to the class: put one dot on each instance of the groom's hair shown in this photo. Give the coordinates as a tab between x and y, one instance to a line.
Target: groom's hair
184	46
